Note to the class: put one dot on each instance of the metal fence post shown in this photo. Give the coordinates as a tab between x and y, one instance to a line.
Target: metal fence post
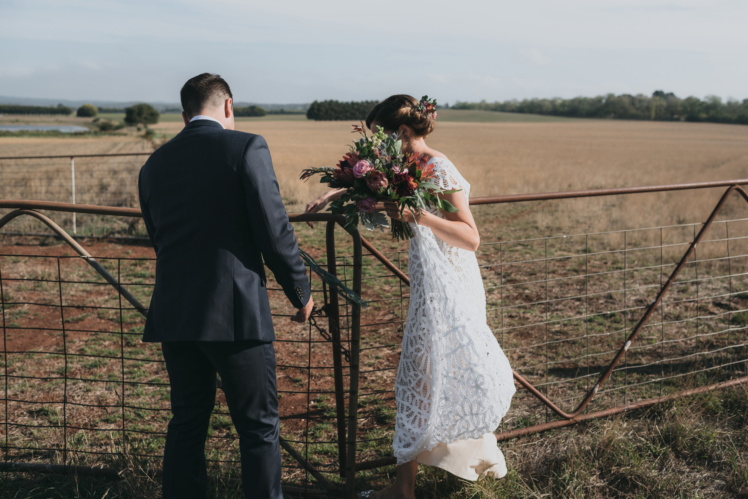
333	315
72	180
350	475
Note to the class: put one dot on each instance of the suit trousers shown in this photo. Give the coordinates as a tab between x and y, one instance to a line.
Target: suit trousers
247	371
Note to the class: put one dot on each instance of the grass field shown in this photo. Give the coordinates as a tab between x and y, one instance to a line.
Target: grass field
692	448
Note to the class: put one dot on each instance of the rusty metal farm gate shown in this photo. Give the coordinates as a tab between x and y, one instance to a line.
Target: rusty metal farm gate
593	324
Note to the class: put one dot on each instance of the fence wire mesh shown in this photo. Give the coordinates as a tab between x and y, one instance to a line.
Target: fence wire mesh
103	180
563	306
79	387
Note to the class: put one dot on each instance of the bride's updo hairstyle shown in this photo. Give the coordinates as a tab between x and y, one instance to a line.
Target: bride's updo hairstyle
399	110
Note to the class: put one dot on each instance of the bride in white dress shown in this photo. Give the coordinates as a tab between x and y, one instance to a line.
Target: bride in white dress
454	383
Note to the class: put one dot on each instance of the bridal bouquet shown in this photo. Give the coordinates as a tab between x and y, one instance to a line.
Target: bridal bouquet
375	169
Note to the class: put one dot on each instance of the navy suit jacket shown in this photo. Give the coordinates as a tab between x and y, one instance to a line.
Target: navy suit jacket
213	211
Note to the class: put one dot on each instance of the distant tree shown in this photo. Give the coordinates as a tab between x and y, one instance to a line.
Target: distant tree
692	109
143	114
87	111
249	111
332	110
106	126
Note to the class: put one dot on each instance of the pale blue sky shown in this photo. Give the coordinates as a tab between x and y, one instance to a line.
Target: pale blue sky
301	50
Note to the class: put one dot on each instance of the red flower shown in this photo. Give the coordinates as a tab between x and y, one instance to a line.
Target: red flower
421	160
344	174
404	184
350	159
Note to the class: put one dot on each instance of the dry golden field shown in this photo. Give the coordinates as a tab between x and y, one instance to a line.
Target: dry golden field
496	158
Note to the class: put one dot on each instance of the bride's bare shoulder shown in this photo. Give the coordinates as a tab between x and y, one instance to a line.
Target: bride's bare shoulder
432	154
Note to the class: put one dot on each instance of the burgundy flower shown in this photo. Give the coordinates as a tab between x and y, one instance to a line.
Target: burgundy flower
367	204
404	184
344	174
376	180
362	168
351	158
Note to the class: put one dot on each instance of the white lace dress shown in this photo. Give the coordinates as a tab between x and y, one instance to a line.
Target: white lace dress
454	383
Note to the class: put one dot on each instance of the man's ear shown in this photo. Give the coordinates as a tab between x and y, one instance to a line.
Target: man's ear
185	118
228	107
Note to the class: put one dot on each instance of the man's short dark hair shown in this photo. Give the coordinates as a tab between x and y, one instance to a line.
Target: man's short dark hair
204	91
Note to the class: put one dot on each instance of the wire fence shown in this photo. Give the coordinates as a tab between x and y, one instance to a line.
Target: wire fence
79	388
563	307
592	323
93	179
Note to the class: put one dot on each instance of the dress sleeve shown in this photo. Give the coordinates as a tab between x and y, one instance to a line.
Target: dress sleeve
446	175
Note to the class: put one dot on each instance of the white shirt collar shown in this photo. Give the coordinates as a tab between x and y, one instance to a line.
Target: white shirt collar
203	117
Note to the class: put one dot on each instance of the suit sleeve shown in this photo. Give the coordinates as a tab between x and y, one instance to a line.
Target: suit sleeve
145	213
271	230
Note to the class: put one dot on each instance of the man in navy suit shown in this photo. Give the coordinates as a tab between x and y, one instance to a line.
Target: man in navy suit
213	211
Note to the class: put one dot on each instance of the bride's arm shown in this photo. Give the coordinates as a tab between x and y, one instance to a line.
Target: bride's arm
322	201
457	229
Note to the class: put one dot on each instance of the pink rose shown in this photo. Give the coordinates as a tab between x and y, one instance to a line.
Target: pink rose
362	168
376	180
367	204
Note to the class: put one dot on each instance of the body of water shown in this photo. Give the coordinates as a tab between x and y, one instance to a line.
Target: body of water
43	128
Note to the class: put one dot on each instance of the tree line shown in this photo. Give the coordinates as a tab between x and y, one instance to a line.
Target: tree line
332	110
15	109
660	106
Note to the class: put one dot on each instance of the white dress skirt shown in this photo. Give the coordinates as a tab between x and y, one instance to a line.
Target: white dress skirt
454	383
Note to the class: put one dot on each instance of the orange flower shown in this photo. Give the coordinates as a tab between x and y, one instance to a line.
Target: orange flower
427	172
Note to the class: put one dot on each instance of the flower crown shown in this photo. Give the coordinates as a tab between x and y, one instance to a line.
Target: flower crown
427	106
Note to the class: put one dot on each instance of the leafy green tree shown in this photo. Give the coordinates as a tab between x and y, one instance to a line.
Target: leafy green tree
143	114
331	110
87	111
256	111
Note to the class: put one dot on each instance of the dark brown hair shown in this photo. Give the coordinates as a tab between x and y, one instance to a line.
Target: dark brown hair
399	110
204	90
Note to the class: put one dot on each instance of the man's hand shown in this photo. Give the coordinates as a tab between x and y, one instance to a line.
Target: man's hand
303	314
